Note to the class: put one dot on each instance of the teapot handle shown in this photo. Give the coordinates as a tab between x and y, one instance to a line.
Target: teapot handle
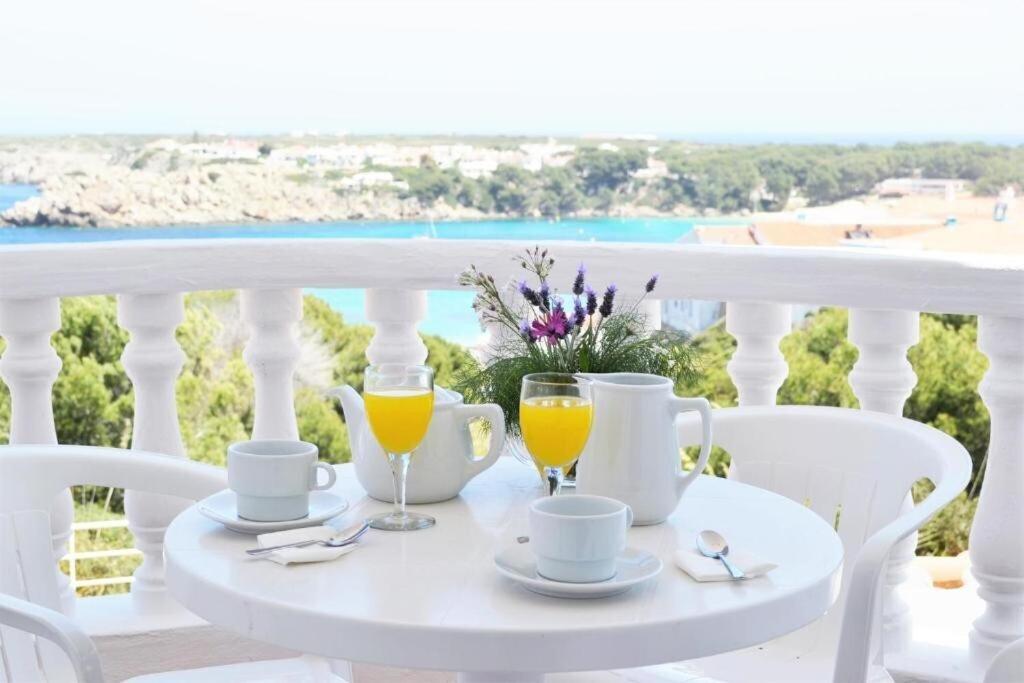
493	414
701	405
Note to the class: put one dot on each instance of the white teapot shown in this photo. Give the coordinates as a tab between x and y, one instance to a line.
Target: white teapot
633	451
444	462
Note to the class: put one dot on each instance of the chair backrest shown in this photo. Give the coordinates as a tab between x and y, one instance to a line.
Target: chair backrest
1008	666
26	572
853	468
30	477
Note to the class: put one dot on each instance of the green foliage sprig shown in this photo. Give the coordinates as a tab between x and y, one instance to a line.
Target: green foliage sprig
541	333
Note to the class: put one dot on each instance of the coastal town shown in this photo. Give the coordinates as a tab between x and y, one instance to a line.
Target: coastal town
120	181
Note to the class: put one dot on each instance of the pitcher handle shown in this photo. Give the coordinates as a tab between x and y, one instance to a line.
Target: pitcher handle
496	417
701	405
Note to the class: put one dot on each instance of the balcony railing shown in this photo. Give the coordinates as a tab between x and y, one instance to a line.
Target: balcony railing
885	292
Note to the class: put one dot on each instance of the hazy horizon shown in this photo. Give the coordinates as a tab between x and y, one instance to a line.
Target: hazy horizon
742	71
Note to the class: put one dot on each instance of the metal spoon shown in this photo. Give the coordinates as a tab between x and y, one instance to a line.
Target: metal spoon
335	542
712	544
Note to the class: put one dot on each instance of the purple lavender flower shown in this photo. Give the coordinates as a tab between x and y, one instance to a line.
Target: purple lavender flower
577	284
606	302
526	332
545	297
649	287
579	313
531	296
591	300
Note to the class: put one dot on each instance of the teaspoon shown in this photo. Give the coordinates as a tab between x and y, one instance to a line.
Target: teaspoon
712	544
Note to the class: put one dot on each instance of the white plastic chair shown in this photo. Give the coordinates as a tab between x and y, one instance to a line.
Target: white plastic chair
850	466
1008	665
39	643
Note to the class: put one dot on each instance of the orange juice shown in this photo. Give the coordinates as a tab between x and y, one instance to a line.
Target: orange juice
555	428
399	417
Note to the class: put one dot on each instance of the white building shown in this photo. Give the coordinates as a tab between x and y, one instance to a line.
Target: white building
947	187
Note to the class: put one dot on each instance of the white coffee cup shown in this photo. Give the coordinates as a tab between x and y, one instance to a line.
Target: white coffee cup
577	538
272	479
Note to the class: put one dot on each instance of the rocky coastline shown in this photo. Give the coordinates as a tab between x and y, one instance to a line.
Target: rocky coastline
93	188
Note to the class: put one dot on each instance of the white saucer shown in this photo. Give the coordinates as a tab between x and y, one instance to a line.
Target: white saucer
220	507
632	567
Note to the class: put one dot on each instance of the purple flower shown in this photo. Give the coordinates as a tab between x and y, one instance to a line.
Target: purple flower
577	284
552	328
649	287
579	313
606	302
545	297
591	300
526	332
528	294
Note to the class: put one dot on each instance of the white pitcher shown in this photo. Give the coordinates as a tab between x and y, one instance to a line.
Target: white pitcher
633	451
442	464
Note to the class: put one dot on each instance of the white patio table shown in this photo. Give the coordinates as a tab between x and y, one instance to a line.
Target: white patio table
432	599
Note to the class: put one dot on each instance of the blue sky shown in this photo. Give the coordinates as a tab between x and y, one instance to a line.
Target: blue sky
718	69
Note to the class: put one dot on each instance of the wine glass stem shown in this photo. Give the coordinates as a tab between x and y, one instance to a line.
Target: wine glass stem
399	468
554	476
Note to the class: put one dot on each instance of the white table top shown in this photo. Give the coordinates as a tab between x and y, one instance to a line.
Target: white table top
432	599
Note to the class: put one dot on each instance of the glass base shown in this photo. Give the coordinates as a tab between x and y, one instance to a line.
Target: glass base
410	521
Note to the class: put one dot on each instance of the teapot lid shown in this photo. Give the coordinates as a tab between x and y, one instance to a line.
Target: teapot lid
445	397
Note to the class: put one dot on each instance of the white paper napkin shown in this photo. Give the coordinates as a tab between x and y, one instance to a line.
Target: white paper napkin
312	553
701	568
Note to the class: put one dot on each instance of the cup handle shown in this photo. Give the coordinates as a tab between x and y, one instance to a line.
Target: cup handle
494	415
701	405
332	476
629	516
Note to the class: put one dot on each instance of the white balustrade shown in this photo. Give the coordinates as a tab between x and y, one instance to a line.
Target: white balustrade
757	368
273	354
882	380
395	314
997	536
398	274
29	367
152	359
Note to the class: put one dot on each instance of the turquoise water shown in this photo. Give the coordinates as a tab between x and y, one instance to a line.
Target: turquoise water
11	194
449	313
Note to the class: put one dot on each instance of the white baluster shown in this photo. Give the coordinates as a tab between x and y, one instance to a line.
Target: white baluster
29	367
272	354
152	360
997	536
757	368
882	379
652	311
395	313
494	335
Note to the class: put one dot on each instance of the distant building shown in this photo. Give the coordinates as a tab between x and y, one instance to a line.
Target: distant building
477	168
228	149
655	169
368	179
901	187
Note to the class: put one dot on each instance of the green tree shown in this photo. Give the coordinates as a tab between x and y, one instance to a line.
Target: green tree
610	170
560	192
511	188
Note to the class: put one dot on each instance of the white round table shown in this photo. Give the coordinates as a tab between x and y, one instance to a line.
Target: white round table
432	599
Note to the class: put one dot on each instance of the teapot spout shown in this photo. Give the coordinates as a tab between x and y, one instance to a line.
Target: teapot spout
355	413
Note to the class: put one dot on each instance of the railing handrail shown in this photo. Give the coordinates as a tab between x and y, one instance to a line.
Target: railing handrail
849	277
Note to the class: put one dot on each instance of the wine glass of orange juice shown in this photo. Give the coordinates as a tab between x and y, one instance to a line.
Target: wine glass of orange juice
399	403
555	413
